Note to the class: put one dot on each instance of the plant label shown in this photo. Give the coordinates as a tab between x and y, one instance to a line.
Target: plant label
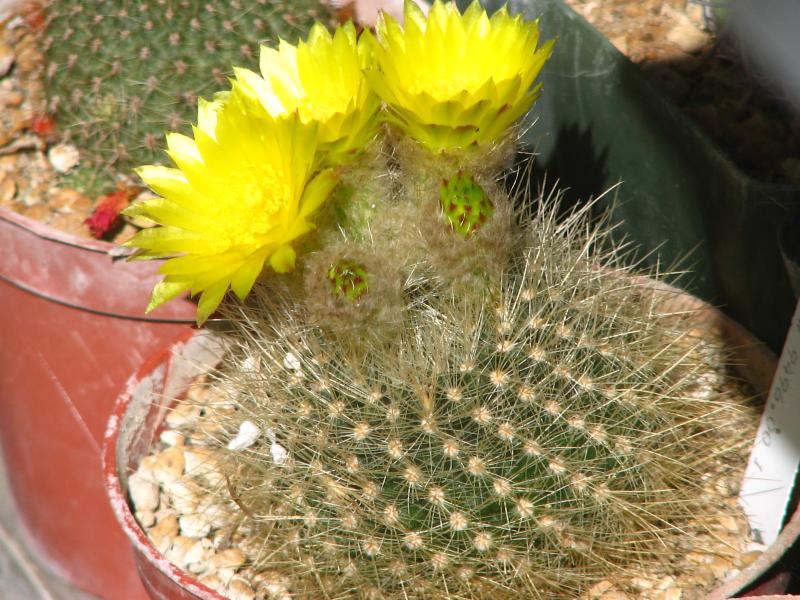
771	470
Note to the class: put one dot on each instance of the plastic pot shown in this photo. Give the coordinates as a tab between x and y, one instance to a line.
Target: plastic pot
790	249
140	410
599	122
132	429
72	330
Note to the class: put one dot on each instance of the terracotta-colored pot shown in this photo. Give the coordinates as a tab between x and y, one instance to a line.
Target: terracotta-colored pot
137	417
71	331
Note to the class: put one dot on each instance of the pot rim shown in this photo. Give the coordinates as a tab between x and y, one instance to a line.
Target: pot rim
40	260
760	375
113	483
47	232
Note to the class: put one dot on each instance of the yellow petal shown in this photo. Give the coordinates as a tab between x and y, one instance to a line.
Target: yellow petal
244	278
282	261
210	299
317	191
164	291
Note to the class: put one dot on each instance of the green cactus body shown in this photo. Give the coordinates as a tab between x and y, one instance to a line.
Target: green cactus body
525	438
348	279
465	205
121	72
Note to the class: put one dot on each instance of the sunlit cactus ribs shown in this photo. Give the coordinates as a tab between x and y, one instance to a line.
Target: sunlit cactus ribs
120	72
461	392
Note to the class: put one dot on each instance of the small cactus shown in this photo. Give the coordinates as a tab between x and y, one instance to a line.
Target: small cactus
120	73
521	439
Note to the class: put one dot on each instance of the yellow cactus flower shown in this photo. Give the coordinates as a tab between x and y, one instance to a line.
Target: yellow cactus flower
322	79
244	190
451	80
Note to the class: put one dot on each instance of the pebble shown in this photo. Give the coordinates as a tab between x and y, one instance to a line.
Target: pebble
8	189
620	42
18	119
239	589
273	585
687	36
126	233
666	583
642	583
63	157
170	437
729	523
214	512
195	525
179	549
231	558
181	496
163	532
246	436
598	589
69	199
201	463
720	567
71	223
615	595
11	98
8	163
182	415
7	59
146	518
695	14
199	554
213	582
37	212
144	492
169	466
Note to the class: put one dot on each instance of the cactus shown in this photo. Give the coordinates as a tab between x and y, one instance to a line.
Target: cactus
523	438
463	393
121	72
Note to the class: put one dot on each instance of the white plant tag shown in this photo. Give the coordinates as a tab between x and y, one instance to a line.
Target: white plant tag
769	478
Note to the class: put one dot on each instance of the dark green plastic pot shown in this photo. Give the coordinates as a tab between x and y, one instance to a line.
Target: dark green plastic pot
599	122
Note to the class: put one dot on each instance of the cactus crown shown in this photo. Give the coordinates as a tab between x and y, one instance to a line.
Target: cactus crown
120	73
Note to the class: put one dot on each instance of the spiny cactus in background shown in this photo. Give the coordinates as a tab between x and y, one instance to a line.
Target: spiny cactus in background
121	72
522	439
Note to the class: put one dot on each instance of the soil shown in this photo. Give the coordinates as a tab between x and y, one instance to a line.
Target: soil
673	42
684	50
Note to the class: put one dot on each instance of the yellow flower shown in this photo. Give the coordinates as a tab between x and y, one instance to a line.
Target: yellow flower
244	190
452	80
323	80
